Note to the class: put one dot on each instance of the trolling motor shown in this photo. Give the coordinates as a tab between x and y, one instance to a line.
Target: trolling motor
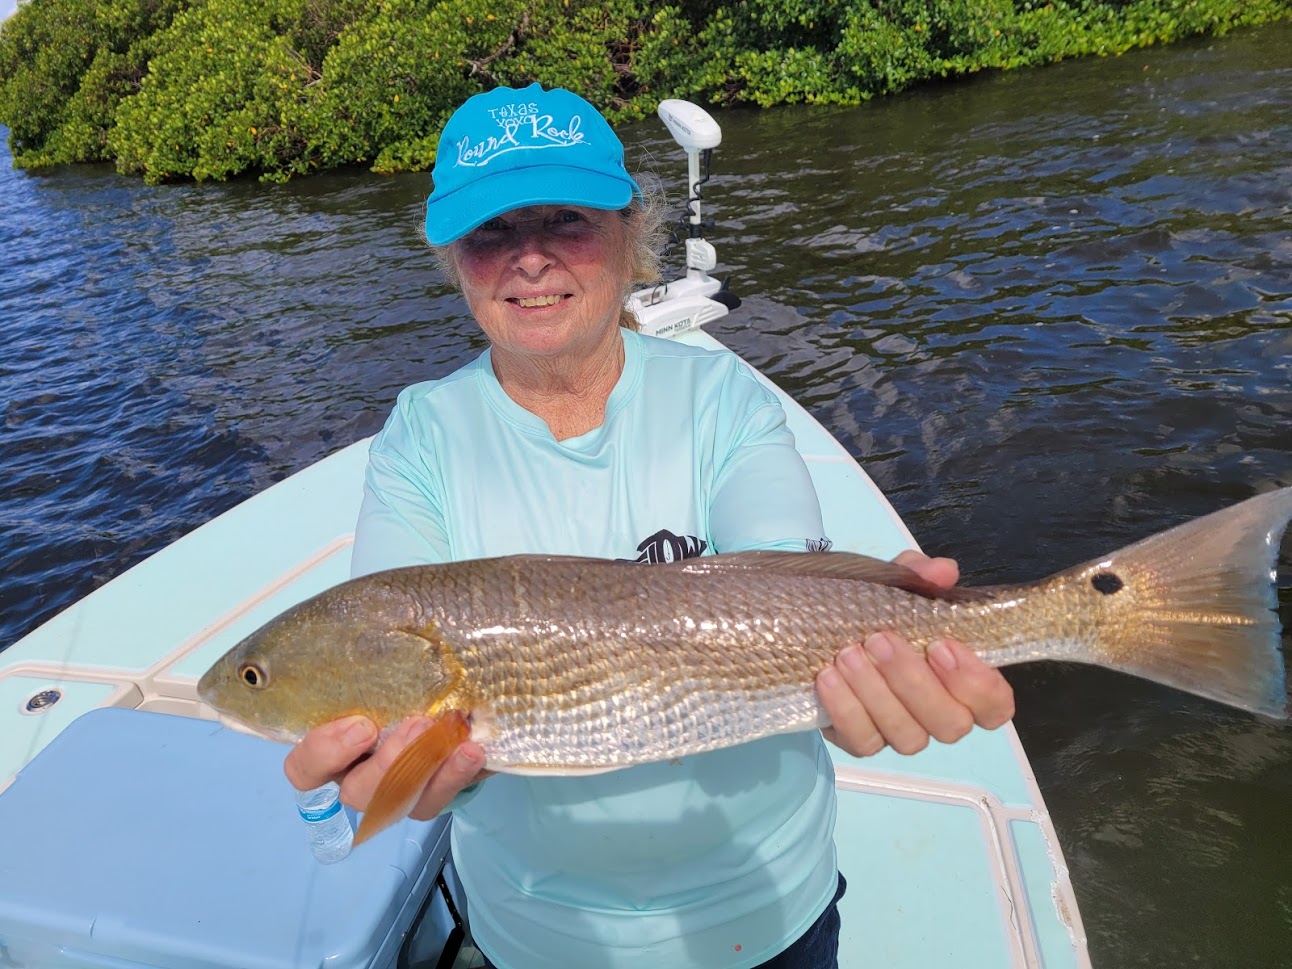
685	304
698	134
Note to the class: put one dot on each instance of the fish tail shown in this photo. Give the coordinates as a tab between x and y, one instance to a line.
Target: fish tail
1205	606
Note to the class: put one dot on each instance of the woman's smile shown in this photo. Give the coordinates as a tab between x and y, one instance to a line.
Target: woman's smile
528	302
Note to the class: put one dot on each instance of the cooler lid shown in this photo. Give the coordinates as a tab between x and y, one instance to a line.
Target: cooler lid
174	842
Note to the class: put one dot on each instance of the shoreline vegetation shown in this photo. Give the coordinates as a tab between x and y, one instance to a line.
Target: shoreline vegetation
175	90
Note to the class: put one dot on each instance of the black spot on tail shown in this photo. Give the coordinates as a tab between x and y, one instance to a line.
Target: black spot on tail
1107	583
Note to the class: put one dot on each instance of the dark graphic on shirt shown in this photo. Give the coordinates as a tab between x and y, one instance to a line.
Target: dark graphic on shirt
664	546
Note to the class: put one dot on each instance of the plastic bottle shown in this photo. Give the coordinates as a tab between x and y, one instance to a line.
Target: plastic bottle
327	824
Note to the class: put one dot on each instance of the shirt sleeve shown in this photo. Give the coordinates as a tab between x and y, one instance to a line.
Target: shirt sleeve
763	496
401	520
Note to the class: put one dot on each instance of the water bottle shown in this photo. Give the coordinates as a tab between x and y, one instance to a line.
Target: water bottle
327	824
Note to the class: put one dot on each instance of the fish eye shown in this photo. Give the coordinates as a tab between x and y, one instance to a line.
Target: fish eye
253	675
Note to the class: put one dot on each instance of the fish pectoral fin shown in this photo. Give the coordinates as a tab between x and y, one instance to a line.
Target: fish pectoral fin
848	566
406	778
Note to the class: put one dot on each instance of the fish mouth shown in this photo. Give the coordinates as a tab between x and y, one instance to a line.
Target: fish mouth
230	722
206	687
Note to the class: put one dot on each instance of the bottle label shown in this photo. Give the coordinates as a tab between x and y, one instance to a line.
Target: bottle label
322	814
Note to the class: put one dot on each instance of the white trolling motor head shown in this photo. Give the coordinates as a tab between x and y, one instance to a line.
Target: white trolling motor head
690	125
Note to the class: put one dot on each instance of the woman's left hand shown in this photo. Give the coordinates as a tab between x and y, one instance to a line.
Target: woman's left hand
884	693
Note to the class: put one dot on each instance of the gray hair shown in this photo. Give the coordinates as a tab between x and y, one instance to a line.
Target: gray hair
645	221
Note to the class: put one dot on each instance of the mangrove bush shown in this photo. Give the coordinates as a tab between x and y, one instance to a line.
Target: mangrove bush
177	89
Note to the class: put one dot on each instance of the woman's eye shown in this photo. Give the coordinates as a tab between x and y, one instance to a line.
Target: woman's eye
487	235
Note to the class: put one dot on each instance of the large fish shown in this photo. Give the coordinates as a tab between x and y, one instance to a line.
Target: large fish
560	665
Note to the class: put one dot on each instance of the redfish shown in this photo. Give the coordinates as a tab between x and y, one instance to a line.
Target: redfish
561	665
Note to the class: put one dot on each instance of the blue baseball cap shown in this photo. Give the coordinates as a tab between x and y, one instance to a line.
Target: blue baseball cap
508	148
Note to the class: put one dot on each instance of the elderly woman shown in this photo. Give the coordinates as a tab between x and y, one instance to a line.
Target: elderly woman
575	434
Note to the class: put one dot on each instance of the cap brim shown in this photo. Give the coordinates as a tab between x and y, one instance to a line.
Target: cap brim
452	216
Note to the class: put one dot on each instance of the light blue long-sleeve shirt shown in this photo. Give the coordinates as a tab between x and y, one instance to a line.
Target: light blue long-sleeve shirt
720	860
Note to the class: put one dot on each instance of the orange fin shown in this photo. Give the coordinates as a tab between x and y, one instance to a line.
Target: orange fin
402	784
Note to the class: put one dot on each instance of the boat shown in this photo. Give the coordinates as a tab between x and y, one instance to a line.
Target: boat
136	831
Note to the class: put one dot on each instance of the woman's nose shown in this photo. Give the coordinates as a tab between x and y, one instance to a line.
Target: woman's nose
531	253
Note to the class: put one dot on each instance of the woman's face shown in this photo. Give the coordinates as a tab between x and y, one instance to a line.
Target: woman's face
546	280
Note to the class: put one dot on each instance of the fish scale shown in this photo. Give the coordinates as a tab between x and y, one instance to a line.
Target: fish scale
708	659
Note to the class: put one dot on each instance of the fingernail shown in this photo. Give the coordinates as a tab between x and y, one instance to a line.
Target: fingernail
852	659
359	732
880	647
830	678
467	762
941	654
416	726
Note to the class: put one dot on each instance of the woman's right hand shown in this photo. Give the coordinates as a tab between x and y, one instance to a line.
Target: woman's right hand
336	752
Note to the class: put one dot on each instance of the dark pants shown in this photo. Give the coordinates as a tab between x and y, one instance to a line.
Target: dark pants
817	948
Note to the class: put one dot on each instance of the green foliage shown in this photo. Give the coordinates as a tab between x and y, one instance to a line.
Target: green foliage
679	56
389	82
82	133
202	89
582	45
882	54
49	51
212	103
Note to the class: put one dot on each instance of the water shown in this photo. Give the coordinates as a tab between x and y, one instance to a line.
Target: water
1050	311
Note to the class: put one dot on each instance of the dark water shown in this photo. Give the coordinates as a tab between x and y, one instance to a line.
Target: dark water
1049	311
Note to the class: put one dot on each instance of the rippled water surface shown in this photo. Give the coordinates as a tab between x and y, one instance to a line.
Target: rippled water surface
1050	311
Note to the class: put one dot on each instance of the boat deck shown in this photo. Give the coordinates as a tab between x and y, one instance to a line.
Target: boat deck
950	856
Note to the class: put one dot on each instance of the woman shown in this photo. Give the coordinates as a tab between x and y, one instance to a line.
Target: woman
574	434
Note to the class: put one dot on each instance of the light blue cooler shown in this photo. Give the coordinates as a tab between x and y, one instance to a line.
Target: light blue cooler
140	839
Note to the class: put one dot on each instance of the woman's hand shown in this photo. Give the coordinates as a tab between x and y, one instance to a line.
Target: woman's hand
884	693
336	752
